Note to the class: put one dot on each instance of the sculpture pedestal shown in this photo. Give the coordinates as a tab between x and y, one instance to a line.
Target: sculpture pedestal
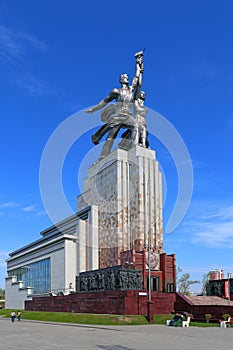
126	187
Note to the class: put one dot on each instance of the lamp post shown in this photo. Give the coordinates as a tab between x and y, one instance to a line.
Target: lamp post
149	265
149	313
229	288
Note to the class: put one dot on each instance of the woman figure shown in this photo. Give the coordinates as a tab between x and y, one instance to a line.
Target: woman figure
140	115
19	315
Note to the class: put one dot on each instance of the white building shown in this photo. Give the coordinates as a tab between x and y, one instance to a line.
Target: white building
50	264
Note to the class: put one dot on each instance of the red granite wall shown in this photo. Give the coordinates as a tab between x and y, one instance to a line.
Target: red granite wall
168	267
131	302
199	311
166	273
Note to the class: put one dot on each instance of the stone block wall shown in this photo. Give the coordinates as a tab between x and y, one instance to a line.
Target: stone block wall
128	302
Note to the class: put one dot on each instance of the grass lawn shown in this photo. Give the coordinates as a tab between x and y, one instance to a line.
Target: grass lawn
95	318
79	318
161	319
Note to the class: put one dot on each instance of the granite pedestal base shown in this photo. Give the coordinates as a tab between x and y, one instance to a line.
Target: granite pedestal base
128	302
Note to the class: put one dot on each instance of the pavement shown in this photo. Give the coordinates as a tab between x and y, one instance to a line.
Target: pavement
28	335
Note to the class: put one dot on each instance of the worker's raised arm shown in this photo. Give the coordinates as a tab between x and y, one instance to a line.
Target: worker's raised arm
139	70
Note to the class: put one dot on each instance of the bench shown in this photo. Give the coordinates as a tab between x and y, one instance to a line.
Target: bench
186	323
227	323
183	324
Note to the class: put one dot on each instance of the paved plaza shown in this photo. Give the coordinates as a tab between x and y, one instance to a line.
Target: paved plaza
29	335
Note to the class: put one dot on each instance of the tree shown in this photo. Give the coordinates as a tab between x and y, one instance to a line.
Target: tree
2	293
205	282
184	282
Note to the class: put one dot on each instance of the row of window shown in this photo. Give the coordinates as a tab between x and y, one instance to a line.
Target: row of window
155	285
36	275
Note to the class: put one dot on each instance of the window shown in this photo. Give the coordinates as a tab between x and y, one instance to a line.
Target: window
36	275
170	288
154	284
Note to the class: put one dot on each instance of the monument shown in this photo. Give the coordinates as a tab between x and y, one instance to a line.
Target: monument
124	186
119	263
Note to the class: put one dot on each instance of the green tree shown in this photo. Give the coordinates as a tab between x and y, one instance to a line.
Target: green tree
2	293
205	282
184	282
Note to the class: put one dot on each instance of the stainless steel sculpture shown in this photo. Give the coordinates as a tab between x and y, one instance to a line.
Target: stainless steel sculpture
140	112
119	115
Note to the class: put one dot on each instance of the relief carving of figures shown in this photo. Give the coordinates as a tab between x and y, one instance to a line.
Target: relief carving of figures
84	284
138	280
109	279
100	277
112	281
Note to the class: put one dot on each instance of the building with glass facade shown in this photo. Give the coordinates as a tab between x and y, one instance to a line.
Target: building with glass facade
50	265
36	275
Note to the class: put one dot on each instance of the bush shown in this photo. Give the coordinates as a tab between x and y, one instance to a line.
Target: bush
226	316
208	317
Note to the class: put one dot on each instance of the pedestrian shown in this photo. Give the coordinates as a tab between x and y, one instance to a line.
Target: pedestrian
12	316
19	315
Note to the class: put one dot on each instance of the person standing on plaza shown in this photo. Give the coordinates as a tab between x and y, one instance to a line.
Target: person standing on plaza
12	316
19	315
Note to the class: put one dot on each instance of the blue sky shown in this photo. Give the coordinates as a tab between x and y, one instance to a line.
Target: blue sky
57	58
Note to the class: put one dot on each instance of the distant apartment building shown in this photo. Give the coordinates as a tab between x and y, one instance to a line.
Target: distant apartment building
218	285
215	275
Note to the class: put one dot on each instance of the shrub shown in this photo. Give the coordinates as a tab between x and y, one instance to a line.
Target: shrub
208	317
226	316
